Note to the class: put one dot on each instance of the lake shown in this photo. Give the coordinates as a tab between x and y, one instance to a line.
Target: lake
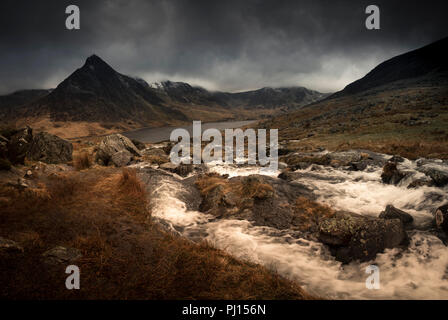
153	135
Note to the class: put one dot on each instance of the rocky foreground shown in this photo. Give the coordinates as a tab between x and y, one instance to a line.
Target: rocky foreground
284	201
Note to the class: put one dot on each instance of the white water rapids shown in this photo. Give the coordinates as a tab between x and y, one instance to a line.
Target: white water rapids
419	272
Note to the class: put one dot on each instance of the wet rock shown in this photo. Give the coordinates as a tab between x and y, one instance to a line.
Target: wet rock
420	183
393	213
121	158
439	175
441	217
9	246
358	166
49	148
18	145
390	174
396	159
354	237
61	255
112	144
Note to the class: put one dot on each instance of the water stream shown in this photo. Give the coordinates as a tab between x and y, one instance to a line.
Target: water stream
419	272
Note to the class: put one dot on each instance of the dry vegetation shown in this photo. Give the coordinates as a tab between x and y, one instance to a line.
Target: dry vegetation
82	161
103	212
249	188
409	121
310	212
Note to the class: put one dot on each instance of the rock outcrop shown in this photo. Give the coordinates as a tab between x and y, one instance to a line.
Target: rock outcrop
49	148
441	217
113	144
393	213
18	145
354	237
391	174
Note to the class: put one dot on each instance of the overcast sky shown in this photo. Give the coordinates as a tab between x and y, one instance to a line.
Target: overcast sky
221	45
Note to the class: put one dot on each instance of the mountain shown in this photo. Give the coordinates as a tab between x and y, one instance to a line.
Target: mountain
289	98
401	106
97	94
20	98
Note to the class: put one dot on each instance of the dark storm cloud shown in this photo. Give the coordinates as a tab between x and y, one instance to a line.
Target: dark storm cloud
225	45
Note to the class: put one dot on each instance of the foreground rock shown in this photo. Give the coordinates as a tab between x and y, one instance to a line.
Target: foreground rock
113	144
354	237
61	255
18	145
8	246
393	213
263	200
390	174
441	216
438	174
49	148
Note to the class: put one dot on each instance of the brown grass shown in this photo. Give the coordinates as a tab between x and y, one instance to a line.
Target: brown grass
310	212
255	189
103	212
82	161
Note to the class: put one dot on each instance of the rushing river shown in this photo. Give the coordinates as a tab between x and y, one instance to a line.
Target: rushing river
153	135
419	272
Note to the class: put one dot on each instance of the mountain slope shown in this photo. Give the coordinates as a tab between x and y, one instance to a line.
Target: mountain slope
401	106
96	92
429	62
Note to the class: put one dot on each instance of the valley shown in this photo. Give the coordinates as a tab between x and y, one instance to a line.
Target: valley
361	180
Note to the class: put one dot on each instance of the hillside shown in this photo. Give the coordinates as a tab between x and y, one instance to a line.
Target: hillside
401	106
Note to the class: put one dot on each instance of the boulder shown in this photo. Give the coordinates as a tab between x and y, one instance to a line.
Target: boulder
358	165
420	183
390	174
393	213
438	174
61	254
18	145
49	148
121	158
112	144
268	202
441	217
9	246
355	237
